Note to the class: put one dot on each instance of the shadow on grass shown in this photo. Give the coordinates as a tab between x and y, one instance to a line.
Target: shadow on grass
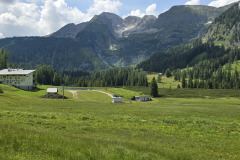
36	90
53	96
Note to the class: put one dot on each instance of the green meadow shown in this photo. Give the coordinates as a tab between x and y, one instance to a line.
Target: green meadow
89	126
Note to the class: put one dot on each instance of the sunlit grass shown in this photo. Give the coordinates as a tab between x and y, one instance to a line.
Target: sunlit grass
165	82
91	127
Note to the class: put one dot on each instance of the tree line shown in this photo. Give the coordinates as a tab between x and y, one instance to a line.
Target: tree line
210	73
113	77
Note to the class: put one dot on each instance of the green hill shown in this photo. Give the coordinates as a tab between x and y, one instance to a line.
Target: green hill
196	51
225	29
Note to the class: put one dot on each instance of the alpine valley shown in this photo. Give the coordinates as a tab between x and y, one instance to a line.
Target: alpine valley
108	40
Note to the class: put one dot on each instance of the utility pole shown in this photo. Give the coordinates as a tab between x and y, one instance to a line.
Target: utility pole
63	91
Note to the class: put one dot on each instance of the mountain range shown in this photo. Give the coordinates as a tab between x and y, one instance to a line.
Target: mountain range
108	40
220	45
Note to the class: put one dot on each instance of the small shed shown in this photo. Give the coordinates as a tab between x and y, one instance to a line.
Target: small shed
52	91
116	99
142	98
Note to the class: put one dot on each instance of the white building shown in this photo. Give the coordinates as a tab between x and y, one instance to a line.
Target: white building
142	98
19	78
116	99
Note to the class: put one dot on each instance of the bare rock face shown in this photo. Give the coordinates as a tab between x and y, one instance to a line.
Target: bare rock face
118	26
139	25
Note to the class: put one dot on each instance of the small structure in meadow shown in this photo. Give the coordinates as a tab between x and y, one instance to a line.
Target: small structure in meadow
52	91
116	99
142	98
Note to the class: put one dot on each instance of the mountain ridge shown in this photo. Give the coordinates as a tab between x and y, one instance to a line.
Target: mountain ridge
113	40
219	45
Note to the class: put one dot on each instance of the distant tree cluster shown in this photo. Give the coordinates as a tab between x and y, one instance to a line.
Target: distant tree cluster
48	76
175	57
114	77
210	74
220	79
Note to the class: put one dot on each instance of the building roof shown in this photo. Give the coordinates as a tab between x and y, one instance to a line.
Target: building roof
52	90
142	96
15	72
116	97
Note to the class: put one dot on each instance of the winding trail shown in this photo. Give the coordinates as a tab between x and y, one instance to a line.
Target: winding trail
74	93
110	95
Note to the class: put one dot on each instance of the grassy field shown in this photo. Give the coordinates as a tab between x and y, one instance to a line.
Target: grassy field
89	126
165	82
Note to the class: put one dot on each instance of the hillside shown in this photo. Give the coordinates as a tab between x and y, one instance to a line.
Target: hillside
61	53
109	40
225	29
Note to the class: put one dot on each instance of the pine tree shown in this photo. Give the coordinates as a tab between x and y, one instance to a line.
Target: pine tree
57	79
168	73
183	82
178	87
190	83
159	78
4	58
154	88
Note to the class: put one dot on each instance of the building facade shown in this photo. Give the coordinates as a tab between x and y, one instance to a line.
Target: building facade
116	99
142	98
19	78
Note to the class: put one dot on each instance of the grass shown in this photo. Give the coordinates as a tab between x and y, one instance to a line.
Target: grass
127	94
165	82
190	93
91	127
234	65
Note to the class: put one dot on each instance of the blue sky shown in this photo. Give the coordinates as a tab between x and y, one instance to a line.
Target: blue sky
43	17
129	5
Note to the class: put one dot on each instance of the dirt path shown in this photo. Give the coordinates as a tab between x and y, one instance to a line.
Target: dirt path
104	93
74	93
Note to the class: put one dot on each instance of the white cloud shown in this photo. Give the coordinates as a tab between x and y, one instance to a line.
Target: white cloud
6	1
193	2
151	10
220	3
19	19
55	14
42	17
137	13
1	35
36	1
100	6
